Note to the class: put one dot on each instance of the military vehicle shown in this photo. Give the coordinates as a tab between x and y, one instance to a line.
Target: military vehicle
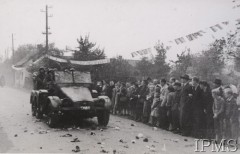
70	94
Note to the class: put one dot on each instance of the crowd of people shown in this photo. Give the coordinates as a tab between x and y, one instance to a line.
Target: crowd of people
188	107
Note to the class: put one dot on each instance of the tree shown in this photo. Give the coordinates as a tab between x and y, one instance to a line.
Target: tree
87	50
22	51
209	62
119	69
160	68
144	67
181	65
231	48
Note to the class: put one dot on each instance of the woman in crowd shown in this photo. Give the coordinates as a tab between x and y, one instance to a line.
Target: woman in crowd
148	102
115	98
231	126
155	106
218	111
110	89
169	103
105	87
175	108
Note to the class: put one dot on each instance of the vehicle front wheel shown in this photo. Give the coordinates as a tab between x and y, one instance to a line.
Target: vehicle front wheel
53	119
39	113
103	117
33	107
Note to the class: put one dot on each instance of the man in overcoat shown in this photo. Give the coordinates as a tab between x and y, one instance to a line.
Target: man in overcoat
198	109
186	106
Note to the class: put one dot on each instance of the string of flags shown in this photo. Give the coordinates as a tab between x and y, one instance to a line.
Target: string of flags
190	37
198	34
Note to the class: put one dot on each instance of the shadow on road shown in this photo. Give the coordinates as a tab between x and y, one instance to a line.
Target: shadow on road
72	122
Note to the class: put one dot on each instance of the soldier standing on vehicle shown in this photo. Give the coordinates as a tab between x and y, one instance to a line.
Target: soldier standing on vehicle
49	77
40	79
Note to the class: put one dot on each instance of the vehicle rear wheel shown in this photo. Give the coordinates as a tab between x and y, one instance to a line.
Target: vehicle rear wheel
103	117
53	119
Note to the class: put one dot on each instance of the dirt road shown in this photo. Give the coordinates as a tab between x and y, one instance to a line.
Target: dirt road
20	132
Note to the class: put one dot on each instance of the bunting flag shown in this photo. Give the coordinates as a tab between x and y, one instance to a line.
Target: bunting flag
201	31
178	41
190	37
141	52
213	28
134	54
182	40
225	22
196	35
218	26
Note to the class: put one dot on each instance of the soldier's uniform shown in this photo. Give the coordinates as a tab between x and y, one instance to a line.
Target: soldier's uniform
40	79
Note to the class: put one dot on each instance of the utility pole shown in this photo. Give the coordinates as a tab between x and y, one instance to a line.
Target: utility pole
13	59
47	27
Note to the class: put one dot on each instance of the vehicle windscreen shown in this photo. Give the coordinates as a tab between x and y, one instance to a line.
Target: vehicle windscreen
66	77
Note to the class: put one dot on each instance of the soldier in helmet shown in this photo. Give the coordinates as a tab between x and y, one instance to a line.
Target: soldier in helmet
40	79
49	77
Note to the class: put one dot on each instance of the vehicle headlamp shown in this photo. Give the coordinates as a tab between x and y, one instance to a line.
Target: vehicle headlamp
66	103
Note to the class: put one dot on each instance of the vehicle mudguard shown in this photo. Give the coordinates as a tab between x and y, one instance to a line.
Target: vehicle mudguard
33	94
55	101
107	101
39	92
43	91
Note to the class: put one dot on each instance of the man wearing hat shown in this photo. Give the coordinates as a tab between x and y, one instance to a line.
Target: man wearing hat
198	108
218	86
186	106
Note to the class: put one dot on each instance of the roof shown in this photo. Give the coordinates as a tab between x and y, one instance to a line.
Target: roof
30	57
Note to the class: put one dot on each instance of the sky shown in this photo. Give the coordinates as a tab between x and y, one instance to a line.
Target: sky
118	26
